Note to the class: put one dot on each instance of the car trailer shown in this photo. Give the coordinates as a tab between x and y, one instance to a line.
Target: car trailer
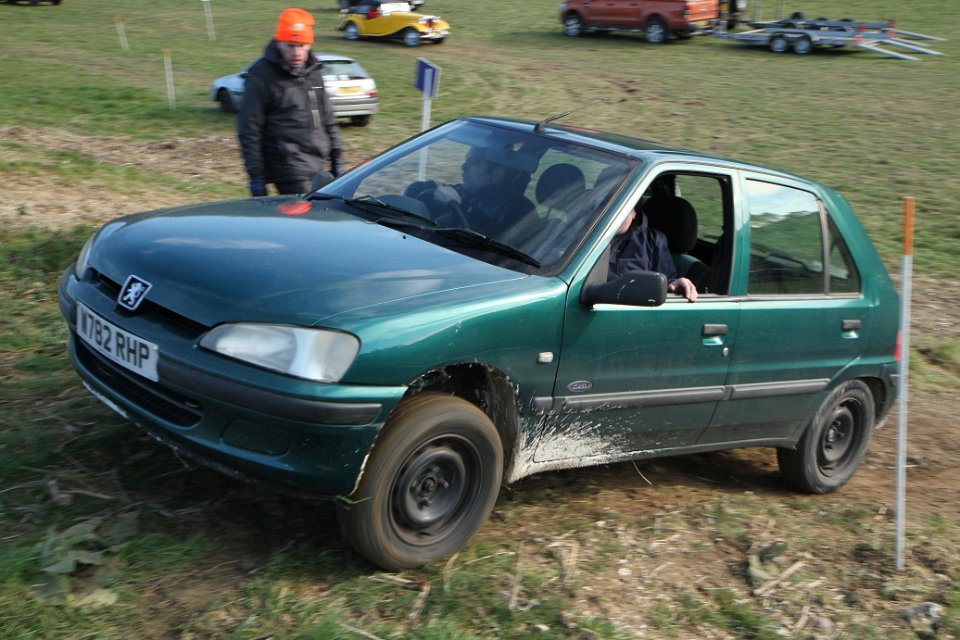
801	35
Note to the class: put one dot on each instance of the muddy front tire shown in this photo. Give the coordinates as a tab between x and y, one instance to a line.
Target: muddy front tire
834	444
427	487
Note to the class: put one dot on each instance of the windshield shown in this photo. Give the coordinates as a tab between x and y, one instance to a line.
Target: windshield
526	192
343	70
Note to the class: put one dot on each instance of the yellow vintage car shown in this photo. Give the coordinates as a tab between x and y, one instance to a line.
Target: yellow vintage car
375	18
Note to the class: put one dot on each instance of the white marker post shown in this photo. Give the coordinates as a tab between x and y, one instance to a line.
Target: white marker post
906	277
168	71
208	13
121	33
427	82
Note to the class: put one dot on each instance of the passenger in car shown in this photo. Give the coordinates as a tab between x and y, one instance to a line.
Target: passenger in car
639	247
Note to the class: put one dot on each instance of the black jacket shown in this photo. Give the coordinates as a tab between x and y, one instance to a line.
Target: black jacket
287	128
642	248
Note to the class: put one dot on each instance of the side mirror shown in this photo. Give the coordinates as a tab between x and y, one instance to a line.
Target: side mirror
635	289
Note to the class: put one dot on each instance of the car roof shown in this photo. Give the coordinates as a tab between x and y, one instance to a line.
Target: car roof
643	149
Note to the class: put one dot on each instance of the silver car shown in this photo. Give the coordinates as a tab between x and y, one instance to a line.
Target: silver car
353	93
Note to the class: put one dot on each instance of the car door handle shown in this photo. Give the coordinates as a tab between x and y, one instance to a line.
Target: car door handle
852	325
711	330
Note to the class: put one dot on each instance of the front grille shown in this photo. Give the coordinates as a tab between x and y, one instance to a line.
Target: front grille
146	394
148	309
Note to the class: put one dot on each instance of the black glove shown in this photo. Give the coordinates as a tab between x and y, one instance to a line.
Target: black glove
336	166
419	188
258	187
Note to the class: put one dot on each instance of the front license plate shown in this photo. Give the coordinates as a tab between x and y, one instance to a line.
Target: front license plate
110	341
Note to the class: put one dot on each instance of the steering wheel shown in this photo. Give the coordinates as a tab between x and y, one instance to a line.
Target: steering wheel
446	212
451	212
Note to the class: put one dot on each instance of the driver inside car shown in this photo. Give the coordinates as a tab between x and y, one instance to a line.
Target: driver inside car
490	199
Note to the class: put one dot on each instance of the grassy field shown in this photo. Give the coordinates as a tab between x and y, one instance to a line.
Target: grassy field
103	534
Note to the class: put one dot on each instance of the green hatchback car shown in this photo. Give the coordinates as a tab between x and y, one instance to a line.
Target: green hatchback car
442	319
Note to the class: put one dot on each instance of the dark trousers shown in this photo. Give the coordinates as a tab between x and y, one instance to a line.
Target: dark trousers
293	187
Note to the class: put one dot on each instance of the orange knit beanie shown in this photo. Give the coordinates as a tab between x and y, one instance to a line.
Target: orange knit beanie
294	25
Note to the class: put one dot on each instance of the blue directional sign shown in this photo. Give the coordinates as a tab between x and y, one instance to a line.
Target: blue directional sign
428	78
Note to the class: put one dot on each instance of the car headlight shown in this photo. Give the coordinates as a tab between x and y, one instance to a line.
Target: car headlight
80	267
313	354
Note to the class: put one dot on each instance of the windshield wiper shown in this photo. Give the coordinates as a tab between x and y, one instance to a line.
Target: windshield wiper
473	239
384	210
376	205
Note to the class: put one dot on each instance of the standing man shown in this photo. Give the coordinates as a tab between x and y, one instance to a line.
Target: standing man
287	129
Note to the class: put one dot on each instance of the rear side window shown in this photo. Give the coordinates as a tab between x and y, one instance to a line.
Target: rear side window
844	277
786	242
788	254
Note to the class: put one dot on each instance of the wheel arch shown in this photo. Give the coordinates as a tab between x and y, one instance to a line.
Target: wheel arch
881	397
485	387
650	17
488	389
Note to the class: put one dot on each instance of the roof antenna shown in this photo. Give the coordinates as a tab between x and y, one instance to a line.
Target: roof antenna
540	126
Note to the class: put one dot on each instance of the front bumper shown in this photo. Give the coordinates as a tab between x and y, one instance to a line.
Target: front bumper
315	443
435	34
699	27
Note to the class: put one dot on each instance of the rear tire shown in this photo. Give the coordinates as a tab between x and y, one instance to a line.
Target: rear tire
428	486
834	444
656	31
360	121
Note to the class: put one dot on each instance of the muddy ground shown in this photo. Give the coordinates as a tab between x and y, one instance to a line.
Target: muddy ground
649	534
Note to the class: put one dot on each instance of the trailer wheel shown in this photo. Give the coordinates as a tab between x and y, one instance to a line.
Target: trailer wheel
803	45
779	44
